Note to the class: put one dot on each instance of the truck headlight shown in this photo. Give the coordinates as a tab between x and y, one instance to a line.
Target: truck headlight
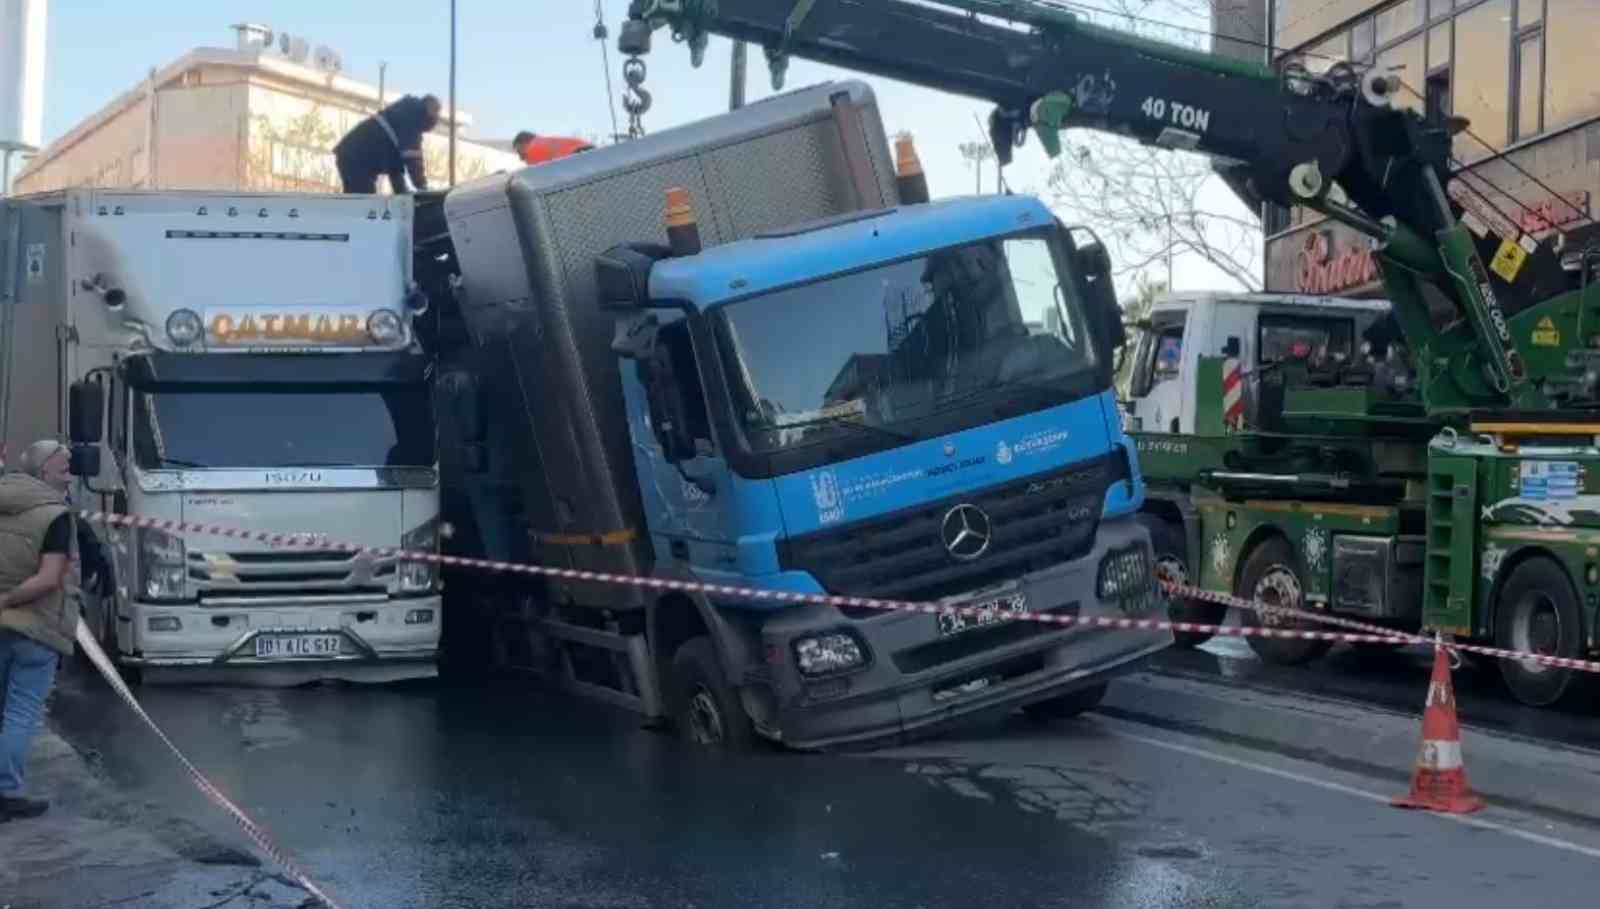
163	565
1125	574
385	327
184	327
420	577
823	654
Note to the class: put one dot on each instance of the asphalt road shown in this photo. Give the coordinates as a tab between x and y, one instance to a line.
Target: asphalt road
441	796
1398	680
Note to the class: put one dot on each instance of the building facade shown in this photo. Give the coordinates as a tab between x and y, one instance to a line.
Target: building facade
247	118
1523	72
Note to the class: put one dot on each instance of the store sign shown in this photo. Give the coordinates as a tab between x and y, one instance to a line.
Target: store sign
1327	265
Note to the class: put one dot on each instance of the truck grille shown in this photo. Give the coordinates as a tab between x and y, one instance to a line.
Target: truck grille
1037	522
287	572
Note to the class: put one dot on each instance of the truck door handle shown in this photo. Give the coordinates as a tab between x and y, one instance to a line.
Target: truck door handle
680	550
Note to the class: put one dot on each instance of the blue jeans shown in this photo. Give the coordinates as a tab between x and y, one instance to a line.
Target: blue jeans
27	670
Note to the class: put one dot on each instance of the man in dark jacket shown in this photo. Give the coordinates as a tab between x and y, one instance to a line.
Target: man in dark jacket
388	142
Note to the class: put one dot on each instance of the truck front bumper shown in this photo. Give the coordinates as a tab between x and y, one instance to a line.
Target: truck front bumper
916	677
378	639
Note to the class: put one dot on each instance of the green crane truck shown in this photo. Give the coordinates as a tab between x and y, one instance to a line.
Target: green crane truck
1443	488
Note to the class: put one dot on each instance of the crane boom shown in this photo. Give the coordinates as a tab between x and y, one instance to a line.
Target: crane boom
1333	142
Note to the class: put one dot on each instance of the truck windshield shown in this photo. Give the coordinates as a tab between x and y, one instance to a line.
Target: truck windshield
388	427
893	346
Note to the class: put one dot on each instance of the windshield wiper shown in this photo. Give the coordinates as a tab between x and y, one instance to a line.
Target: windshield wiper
850	424
176	462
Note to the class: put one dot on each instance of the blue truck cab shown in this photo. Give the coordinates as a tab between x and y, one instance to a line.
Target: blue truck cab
910	404
796	375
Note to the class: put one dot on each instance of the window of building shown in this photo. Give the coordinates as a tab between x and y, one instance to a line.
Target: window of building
1529	12
1361	40
1398	20
1482	91
1439	41
1405	61
1438	9
1530	69
1571	91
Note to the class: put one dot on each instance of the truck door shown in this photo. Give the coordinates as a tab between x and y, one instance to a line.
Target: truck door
1158	389
687	491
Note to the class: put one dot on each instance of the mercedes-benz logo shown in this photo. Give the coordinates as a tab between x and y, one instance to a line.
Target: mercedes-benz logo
966	531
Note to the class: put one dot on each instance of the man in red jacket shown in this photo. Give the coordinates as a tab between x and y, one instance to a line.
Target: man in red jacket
534	149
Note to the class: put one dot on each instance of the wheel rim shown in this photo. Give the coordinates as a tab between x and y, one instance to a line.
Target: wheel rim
1279	586
1536	628
705	720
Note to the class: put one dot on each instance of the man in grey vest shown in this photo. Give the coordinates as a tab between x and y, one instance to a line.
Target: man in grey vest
37	620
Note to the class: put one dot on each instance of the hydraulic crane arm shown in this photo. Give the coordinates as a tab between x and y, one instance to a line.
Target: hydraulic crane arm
1334	142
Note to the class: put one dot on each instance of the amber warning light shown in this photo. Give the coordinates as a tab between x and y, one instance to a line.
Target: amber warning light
910	182
683	228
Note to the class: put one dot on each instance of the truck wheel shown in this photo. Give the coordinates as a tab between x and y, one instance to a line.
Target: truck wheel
1172	562
1066	706
1271	575
1537	612
704	707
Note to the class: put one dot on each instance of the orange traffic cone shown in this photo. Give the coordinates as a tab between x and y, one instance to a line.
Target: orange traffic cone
1440	780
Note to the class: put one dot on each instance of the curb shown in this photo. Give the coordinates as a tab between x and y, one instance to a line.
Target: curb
1550	779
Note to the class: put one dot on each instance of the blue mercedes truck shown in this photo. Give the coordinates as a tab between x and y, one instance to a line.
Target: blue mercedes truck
825	389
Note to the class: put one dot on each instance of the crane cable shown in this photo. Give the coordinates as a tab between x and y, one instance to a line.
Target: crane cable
601	35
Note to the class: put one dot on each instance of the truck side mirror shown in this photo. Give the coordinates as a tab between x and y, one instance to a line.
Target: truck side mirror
1094	267
86	412
622	275
85	461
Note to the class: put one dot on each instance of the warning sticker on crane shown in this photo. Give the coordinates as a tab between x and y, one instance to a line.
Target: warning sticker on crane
1508	260
1545	334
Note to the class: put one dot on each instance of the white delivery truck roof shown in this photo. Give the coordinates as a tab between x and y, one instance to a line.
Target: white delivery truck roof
229	272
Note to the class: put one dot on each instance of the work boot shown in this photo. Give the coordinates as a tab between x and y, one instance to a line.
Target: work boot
15	807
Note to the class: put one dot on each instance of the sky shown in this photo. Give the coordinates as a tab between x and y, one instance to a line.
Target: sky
529	65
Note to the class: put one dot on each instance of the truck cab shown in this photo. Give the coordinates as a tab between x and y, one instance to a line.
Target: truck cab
1163	391
908	404
238	372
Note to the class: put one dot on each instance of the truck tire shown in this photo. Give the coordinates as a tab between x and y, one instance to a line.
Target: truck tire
1065	706
1272	575
1172	560
704	707
1537	612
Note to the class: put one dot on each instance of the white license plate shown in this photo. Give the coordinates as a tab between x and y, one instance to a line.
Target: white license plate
289	646
983	613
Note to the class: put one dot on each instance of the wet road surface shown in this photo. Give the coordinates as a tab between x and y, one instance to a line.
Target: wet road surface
433	795
1398	680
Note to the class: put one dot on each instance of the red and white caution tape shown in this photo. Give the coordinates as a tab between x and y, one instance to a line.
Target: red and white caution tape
1223	599
1365	635
209	789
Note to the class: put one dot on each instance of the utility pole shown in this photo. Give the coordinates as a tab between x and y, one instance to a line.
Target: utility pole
741	58
383	70
452	92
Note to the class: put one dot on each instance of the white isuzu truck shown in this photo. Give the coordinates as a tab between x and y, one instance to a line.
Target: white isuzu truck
244	361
